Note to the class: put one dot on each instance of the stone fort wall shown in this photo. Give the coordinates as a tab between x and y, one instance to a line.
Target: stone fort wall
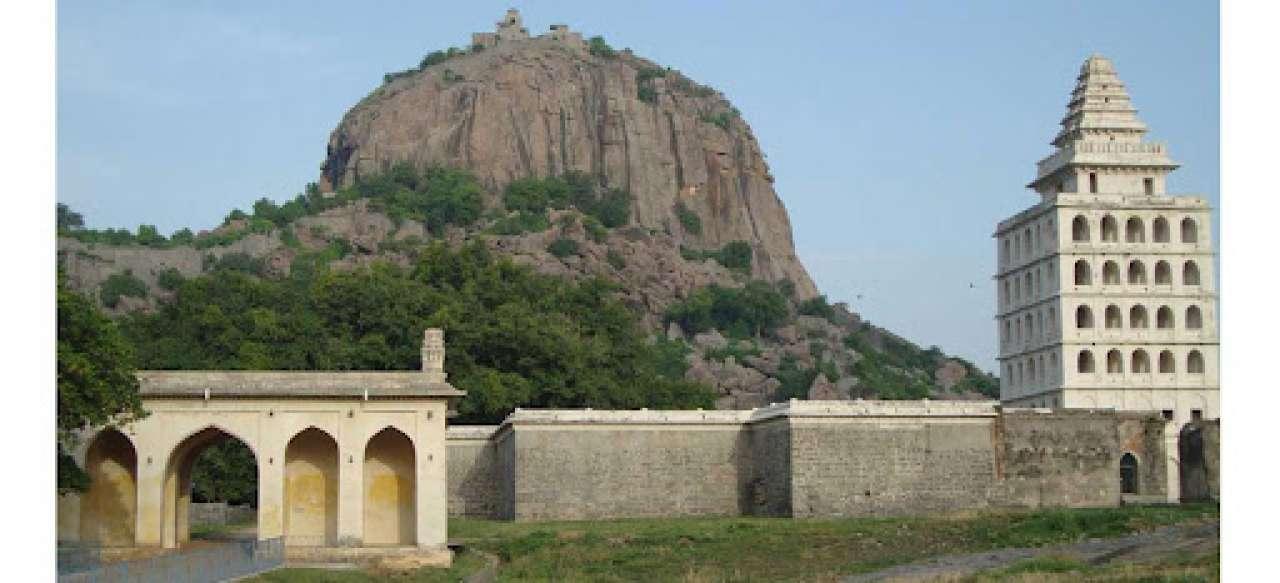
801	459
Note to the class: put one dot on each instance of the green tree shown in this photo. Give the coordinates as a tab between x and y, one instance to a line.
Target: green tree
96	382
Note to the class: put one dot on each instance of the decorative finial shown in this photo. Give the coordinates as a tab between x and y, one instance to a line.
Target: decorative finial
433	354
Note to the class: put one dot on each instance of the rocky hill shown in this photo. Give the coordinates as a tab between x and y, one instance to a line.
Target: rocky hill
546	133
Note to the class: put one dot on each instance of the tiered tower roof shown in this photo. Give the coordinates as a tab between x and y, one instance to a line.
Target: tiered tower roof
1101	128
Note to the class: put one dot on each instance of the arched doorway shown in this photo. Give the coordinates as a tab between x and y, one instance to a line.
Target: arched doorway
389	489
181	473
109	509
1128	474
311	489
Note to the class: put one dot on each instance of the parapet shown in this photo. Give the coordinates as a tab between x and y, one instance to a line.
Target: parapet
626	417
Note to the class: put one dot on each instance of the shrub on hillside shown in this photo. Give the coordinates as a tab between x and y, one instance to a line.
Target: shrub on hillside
119	285
817	306
688	219
752	310
563	247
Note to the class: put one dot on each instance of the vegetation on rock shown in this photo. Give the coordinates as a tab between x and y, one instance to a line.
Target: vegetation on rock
739	312
516	338
119	285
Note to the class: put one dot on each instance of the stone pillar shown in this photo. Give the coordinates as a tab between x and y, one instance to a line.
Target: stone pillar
351	485
431	505
270	490
1173	486
150	497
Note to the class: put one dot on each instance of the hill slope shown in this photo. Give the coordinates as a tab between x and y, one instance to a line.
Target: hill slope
569	162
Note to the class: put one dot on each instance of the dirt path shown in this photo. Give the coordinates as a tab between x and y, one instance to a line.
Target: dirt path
1140	547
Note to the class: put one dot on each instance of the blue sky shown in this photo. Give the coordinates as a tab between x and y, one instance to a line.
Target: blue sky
899	133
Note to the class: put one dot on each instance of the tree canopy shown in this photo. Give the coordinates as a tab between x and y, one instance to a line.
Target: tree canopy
96	382
514	337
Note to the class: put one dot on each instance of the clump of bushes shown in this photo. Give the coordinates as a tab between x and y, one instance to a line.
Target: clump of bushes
615	260
734	255
520	223
817	306
119	285
744	312
170	279
597	46
645	89
688	219
563	247
611	207
721	119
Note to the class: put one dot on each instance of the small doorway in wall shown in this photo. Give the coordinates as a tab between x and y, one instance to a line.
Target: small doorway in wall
1128	474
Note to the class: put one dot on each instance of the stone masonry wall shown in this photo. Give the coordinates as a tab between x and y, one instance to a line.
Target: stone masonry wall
474	472
885	466
805	458
1058	458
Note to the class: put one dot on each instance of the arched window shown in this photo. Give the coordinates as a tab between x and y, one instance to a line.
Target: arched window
1112	318
1160	230
1110	231
1080	229
1026	241
1017	290
1084	317
1166	361
1027	286
1115	362
1053	366
1134	231
1138	317
1189	230
1008	331
1110	273
1010	374
1084	362
1128	474
1190	273
1137	273
1164	317
1084	275
1031	371
1195	362
1140	363
1004	257
1038	283
1053	319
1193	320
1031	328
1008	297
1164	275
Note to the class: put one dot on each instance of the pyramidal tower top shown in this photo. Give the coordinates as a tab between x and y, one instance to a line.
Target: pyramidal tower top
1100	148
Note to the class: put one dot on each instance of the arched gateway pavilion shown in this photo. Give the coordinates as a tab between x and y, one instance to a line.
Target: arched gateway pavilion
344	459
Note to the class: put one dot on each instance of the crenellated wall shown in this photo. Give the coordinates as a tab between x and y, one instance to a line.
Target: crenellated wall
802	459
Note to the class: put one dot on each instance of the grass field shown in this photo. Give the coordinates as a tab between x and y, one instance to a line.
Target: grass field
774	549
1189	569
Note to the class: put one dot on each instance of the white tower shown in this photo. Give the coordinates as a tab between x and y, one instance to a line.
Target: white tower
1105	288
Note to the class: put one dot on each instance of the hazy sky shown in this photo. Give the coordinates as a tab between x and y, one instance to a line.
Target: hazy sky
899	133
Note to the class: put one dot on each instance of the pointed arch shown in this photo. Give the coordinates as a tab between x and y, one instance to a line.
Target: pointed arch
1195	362
1160	230
1084	317
1190	273
1164	275
1110	273
1190	231
1137	273
1134	231
1140	362
176	527
1128	473
109	508
1110	230
1112	318
390	489
1084	362
1083	273
1194	320
311	489
1115	362
1080	229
